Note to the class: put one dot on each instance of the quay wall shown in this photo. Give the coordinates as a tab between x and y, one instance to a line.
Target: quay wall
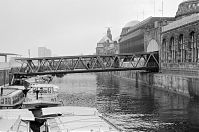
180	84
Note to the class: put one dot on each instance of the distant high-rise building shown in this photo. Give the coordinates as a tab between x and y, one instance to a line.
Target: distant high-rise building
44	52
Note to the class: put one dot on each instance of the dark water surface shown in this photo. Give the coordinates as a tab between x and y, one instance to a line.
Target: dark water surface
130	106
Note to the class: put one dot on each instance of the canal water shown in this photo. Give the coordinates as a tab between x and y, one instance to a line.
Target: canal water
130	106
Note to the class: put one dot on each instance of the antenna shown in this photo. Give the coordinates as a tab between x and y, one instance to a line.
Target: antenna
154	7
162	8
143	14
137	15
29	53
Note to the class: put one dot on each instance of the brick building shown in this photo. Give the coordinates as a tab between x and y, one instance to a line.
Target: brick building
180	40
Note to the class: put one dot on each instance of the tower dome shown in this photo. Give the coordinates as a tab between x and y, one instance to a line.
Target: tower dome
187	8
127	26
131	24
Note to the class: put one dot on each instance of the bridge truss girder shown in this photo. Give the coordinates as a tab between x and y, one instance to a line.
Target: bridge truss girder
87	63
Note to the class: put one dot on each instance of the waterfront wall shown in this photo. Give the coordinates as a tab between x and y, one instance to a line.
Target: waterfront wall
174	83
180	84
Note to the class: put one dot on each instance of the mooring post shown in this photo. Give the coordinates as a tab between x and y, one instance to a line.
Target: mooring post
9	77
136	79
37	94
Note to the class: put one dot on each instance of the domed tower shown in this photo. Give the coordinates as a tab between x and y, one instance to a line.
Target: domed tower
109	35
187	8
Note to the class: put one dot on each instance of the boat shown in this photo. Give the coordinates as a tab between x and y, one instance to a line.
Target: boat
56	119
75	119
39	79
41	95
16	120
11	97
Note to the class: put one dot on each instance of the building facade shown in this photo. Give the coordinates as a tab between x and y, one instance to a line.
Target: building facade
178	45
180	40
106	45
142	36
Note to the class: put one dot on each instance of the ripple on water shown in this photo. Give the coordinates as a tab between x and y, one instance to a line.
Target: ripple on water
129	106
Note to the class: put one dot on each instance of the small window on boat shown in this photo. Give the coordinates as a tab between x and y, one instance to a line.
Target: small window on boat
49	90
9	101
2	101
6	101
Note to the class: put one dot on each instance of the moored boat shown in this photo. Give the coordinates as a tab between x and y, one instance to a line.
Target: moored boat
75	119
11	97
16	120
39	79
41	95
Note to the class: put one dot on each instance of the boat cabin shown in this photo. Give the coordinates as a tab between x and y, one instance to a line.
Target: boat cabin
11	97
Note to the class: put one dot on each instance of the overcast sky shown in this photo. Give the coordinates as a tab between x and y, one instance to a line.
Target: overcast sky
69	27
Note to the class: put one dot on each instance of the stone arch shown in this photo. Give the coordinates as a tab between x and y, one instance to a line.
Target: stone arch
152	46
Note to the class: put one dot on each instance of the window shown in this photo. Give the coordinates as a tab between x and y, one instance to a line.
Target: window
2	101
180	48
197	49
171	49
193	49
164	51
6	101
9	101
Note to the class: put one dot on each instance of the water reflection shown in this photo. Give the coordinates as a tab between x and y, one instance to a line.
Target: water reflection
144	108
193	113
131	108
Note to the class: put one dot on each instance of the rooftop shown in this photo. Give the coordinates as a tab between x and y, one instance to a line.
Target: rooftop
10	90
6	54
181	22
187	7
105	39
131	23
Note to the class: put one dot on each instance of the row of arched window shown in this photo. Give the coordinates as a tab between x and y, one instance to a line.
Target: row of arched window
179	49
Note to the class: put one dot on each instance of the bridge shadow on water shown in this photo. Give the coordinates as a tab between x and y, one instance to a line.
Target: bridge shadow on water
130	106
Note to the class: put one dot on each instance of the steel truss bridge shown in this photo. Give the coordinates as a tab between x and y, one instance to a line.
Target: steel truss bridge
87	63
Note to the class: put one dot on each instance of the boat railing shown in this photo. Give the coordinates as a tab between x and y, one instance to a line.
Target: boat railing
52	98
